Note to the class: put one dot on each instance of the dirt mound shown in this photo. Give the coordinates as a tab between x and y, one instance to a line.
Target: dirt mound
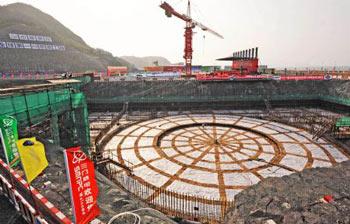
296	198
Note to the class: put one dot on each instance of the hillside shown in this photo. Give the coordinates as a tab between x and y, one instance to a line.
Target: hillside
141	62
76	55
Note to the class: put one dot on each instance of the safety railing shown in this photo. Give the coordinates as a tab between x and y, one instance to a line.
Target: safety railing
33	206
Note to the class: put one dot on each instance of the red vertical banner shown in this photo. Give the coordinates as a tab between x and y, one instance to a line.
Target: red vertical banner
83	186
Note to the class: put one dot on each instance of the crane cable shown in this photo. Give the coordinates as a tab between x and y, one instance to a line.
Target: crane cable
204	44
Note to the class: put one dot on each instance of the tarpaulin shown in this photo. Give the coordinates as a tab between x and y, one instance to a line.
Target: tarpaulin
33	158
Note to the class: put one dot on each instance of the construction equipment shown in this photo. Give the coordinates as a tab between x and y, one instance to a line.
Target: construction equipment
244	62
190	25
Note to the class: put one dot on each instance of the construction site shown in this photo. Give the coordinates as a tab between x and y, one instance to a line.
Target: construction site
192	145
178	143
186	148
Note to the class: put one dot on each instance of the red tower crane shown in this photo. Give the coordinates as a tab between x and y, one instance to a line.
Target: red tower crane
190	25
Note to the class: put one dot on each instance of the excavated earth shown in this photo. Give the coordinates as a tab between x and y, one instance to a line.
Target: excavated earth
296	198
112	200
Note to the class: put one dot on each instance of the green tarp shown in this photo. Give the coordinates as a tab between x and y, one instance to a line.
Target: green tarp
343	122
31	108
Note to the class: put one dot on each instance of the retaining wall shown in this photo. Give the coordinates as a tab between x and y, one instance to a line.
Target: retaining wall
109	96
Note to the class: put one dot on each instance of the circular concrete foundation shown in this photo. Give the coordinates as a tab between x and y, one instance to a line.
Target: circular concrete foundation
216	156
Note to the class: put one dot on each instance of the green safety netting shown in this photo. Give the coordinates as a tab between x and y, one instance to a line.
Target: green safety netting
31	107
83	81
189	99
165	99
66	110
343	122
338	100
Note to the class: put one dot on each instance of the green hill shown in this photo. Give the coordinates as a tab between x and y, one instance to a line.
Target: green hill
20	18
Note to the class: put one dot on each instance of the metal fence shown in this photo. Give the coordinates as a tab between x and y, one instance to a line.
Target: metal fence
175	204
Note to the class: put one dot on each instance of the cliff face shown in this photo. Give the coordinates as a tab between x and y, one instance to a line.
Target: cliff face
76	55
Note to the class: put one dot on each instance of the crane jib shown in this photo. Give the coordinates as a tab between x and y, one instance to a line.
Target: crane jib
191	24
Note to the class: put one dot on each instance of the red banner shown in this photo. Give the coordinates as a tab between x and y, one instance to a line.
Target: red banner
83	185
250	65
302	77
114	70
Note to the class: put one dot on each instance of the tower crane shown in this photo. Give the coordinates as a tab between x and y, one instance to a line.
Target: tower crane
190	25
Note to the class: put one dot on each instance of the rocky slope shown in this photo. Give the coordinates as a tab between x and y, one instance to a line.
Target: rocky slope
296	198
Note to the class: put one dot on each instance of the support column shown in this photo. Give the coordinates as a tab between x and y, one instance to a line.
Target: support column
54	127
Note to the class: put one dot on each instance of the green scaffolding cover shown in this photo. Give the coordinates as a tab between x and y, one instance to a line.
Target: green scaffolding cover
35	107
343	122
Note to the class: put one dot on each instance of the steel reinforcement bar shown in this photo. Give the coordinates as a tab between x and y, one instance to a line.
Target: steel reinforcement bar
185	206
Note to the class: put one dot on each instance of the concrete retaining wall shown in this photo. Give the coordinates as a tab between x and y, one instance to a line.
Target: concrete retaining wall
193	94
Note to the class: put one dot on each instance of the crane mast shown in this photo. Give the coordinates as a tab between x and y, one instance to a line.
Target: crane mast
188	42
190	25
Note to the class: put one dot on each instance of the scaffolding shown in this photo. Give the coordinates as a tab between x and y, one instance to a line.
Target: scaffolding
342	128
64	108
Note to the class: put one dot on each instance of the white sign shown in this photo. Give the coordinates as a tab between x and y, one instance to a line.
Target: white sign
14	36
17	45
25	37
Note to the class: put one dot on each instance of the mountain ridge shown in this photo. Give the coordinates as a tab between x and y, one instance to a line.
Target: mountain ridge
141	62
22	18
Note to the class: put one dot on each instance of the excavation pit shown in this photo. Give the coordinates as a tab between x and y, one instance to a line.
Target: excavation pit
203	161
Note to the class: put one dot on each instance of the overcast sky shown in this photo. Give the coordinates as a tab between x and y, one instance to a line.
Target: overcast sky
289	33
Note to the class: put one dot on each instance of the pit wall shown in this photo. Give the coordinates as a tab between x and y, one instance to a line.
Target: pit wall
110	96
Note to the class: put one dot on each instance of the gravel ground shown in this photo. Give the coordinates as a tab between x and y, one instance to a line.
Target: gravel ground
112	200
8	213
296	199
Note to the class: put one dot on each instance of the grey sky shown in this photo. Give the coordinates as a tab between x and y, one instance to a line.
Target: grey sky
288	32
